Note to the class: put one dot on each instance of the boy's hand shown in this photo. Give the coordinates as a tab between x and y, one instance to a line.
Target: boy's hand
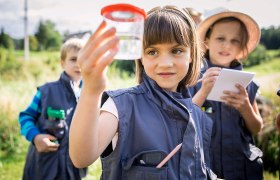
240	101
94	58
43	143
209	78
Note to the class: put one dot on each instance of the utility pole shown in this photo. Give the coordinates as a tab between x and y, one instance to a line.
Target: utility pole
26	39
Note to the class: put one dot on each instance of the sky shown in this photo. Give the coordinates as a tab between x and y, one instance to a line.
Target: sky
84	15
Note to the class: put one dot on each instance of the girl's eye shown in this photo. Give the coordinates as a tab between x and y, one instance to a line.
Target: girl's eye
235	41
221	39
151	52
177	51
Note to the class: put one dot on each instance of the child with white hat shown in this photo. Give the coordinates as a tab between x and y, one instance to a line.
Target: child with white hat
228	38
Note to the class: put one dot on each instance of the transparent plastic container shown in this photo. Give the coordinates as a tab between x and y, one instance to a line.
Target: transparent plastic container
129	23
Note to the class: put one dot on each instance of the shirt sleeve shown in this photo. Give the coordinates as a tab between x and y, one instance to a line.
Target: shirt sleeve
28	117
110	106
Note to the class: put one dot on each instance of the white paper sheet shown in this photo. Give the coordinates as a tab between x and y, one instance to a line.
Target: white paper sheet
227	80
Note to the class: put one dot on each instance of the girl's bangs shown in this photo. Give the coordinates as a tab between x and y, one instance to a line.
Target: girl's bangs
165	27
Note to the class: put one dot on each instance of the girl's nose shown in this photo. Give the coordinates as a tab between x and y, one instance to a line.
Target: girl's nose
166	61
226	44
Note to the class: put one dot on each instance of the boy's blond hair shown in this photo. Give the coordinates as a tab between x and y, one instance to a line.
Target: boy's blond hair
71	44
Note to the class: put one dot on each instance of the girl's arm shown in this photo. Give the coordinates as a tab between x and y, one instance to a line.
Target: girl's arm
250	113
208	81
90	131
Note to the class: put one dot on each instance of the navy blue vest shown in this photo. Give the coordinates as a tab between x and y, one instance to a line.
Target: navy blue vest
233	153
54	165
152	122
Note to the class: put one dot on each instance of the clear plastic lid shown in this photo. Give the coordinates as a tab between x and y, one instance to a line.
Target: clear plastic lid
123	13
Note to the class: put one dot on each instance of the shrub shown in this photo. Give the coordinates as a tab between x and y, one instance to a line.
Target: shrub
9	130
268	138
258	56
9	66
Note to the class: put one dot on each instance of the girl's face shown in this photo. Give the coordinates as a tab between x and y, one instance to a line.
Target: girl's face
70	65
224	43
167	64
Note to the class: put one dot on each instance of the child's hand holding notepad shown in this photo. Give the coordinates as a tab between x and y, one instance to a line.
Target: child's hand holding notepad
227	80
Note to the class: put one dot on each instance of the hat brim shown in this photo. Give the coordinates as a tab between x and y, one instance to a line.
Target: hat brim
251	25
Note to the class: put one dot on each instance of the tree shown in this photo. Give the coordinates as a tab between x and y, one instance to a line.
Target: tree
33	43
256	57
6	41
270	37
48	38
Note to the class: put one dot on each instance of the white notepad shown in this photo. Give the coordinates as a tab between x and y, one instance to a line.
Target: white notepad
227	80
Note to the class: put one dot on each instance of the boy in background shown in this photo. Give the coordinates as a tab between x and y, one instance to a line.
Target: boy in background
46	121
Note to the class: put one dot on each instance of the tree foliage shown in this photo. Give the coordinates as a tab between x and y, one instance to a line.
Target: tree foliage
257	56
48	37
6	41
9	66
33	43
270	37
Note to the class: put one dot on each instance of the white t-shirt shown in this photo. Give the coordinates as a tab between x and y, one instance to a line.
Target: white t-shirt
110	107
76	89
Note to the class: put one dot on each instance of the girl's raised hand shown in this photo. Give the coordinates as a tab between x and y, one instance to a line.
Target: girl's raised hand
95	57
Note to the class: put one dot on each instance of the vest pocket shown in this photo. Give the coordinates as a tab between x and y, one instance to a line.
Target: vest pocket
143	166
254	163
56	128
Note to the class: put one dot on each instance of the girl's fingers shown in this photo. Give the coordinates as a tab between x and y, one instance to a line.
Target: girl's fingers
100	28
97	39
241	89
108	58
105	50
91	55
90	42
215	70
212	72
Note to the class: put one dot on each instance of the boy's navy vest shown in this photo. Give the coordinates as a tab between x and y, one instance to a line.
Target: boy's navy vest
152	122
233	153
54	165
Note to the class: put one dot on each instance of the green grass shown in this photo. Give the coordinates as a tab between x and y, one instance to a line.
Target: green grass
38	55
273	53
11	166
265	68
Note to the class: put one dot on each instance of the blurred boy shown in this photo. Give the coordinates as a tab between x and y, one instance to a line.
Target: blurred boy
46	121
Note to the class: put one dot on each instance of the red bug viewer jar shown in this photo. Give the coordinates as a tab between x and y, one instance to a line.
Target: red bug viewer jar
129	23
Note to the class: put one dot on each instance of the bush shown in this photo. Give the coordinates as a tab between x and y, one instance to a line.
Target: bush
269	146
9	66
258	56
268	138
9	130
125	65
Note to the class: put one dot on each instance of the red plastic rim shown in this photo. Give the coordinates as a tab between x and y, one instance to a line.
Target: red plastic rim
122	7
